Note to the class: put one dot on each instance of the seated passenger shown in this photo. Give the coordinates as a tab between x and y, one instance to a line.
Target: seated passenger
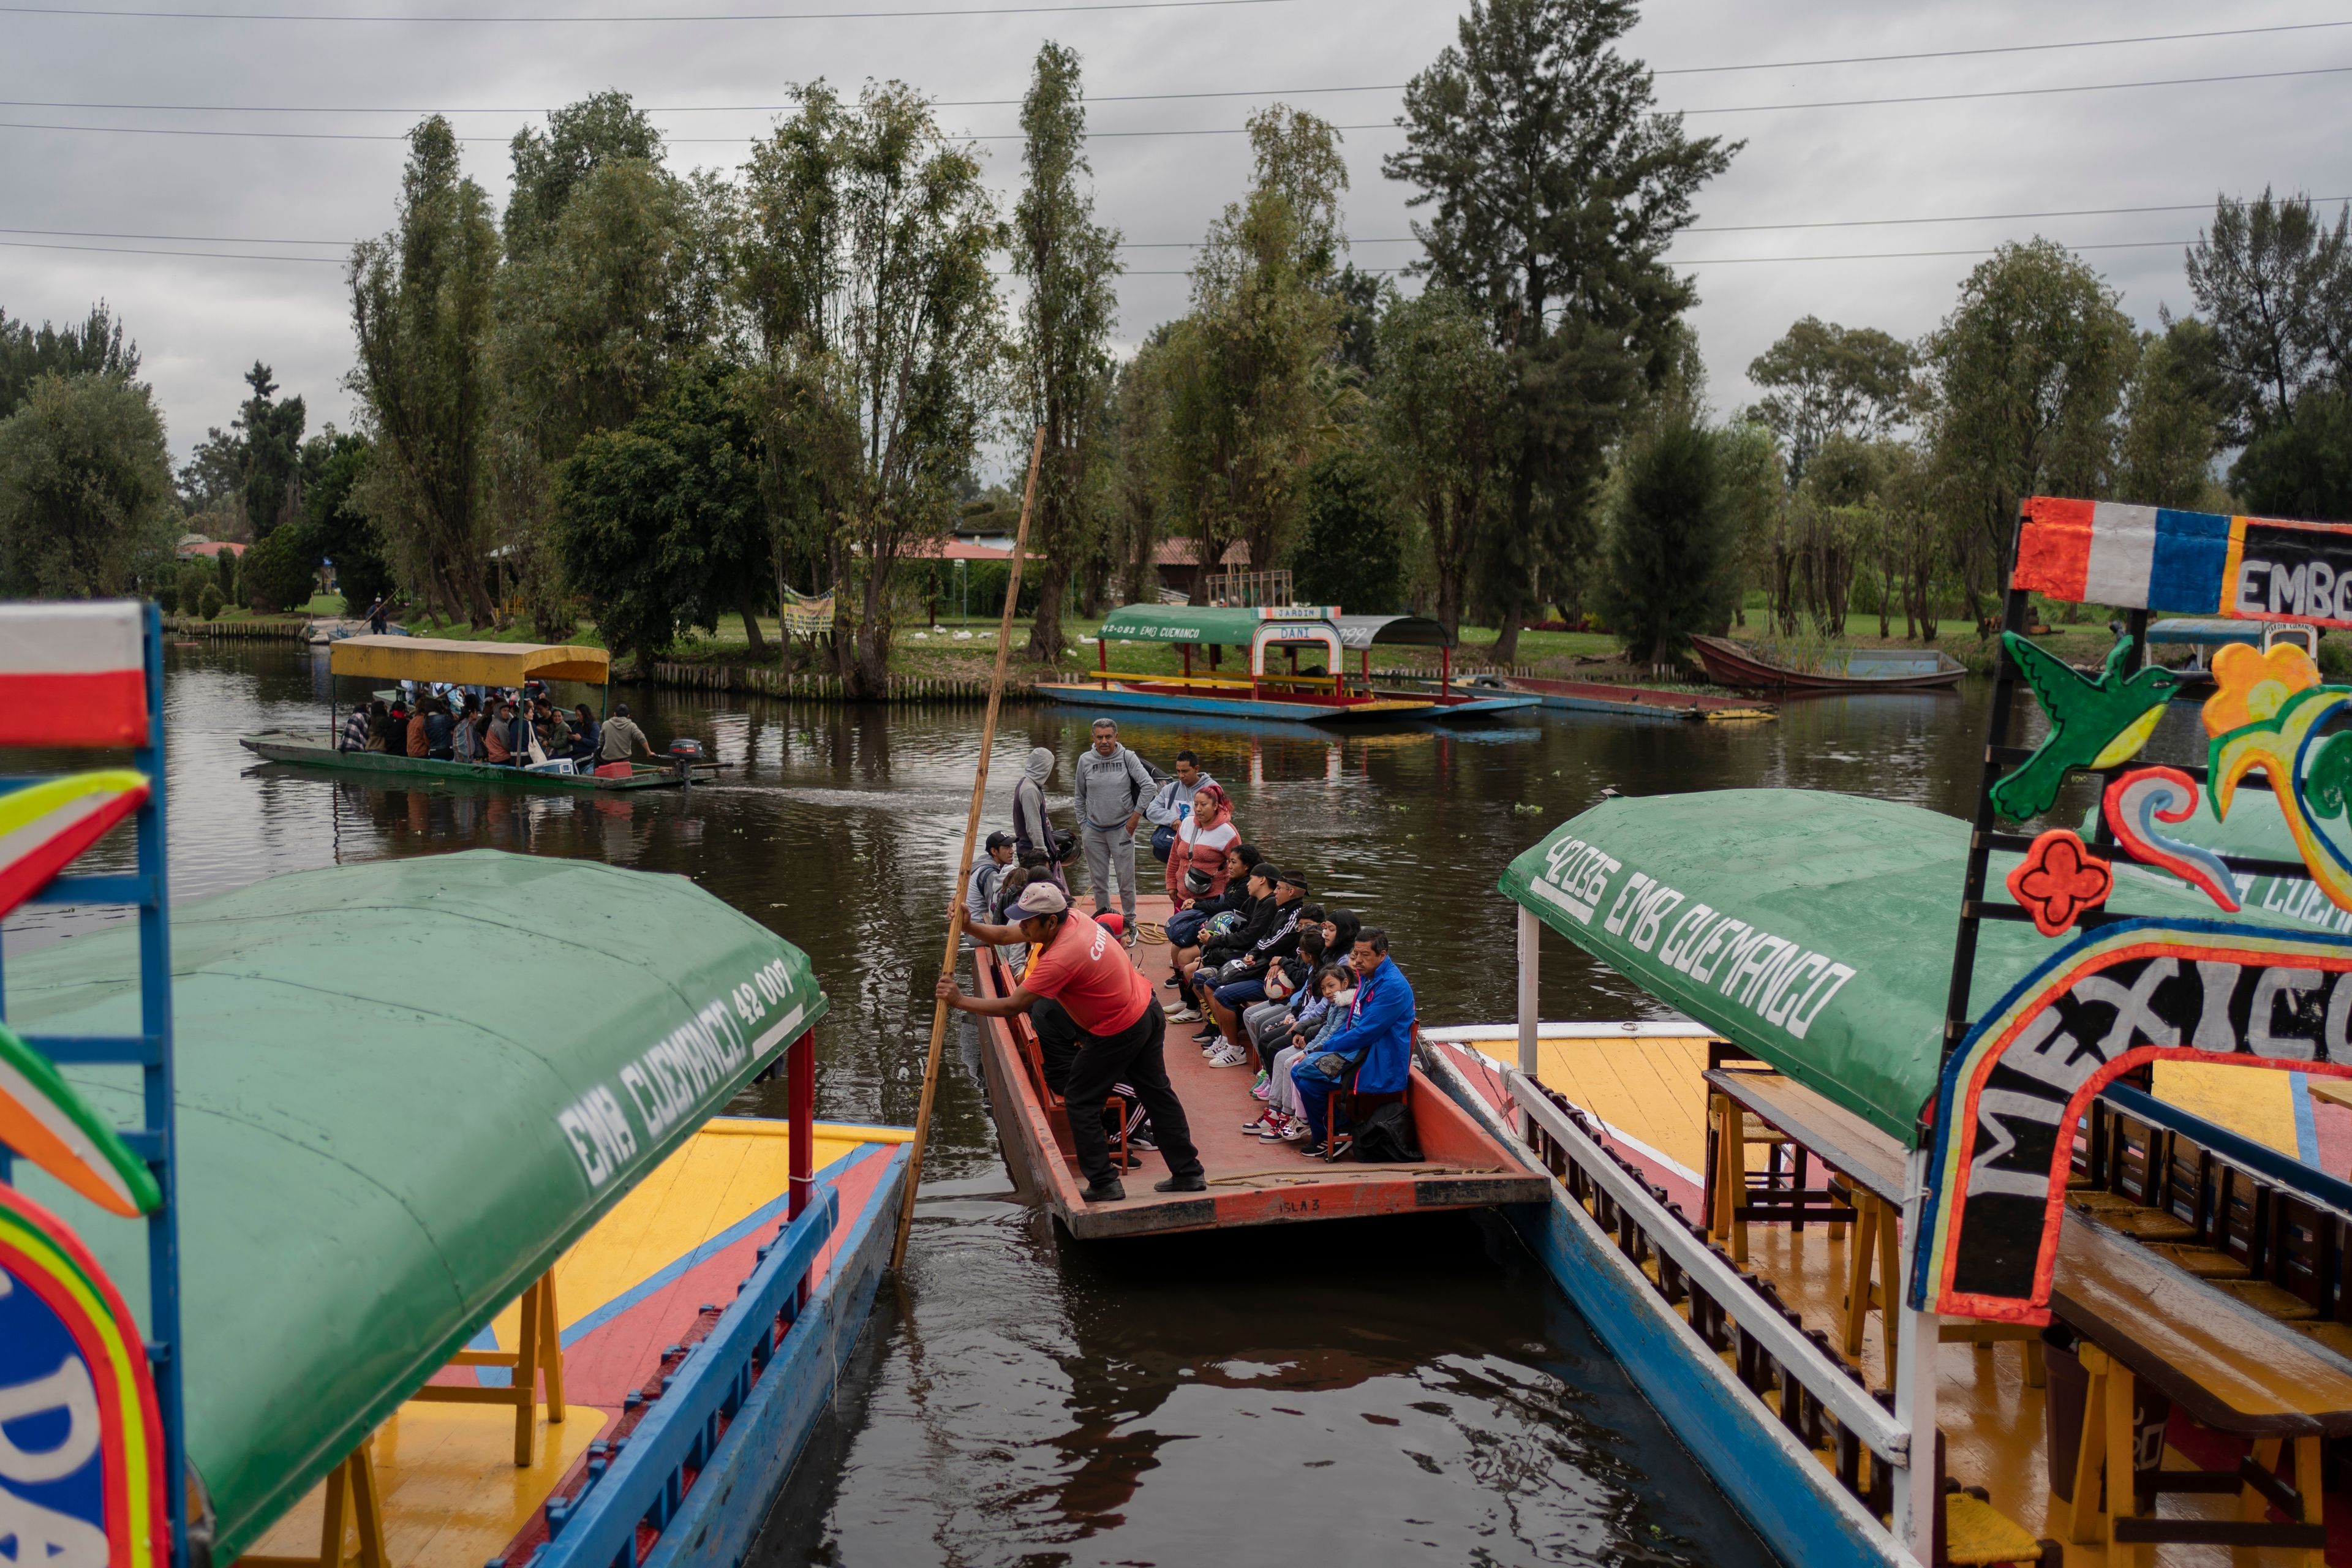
1224	940
497	738
1368	1051
1286	986
439	729
1323	1003
355	730
587	737
1186	926
379	727
1243	981
1198	865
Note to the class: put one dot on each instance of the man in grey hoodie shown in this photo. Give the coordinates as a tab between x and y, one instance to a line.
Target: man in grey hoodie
1032	828
1113	785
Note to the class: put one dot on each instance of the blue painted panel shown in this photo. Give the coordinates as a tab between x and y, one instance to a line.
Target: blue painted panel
730	1503
1786	1500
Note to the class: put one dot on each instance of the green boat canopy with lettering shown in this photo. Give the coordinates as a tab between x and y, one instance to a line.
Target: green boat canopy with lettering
405	1088
1227	627
1812	930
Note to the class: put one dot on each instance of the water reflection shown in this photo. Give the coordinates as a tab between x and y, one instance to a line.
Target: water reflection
1364	1394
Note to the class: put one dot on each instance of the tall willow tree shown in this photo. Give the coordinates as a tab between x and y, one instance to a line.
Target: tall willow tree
1062	355
1554	187
421	312
864	268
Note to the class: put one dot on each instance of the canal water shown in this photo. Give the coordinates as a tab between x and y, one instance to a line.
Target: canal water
1411	1391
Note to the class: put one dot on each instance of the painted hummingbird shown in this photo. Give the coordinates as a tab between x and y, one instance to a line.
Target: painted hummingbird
2092	724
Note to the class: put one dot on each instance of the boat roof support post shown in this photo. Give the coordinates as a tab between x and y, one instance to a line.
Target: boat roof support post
1530	1018
1920	1335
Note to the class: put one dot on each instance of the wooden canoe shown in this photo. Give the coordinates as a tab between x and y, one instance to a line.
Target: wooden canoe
1638	701
1894	669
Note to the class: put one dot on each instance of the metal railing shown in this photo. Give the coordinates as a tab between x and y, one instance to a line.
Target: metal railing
1823	1400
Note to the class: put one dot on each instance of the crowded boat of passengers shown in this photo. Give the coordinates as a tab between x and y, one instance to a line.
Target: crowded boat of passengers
480	710
1308	1002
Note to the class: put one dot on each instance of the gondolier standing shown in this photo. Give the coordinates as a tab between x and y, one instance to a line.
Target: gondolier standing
1120	1034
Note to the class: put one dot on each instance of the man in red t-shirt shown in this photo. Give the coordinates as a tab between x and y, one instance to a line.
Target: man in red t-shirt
1081	969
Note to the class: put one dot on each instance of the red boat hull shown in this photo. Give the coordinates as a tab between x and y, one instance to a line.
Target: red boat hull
1728	664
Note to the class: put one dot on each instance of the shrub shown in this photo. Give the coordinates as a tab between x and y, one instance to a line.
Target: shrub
167	594
210	601
279	572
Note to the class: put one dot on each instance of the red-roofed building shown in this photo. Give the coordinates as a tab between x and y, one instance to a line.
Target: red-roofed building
194	547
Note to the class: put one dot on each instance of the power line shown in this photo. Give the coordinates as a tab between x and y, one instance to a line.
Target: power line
199	255
1145	97
685	16
1996	49
1901	254
1223	130
2023	91
1351	239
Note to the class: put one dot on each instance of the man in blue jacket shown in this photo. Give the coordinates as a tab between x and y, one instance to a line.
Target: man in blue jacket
1368	1051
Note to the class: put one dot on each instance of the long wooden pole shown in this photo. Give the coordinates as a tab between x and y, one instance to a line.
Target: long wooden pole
964	867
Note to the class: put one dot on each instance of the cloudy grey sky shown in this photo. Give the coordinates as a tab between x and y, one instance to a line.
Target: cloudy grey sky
1963	163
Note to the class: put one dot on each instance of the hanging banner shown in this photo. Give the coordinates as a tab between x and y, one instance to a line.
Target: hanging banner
807	615
2120	994
2189	563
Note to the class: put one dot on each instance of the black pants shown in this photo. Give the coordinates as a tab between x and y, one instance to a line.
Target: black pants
1089	1065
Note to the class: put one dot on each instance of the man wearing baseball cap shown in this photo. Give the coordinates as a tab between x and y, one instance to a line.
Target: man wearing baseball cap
1121	1033
979	892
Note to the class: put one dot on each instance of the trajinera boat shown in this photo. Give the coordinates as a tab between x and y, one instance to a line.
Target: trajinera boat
1251	1182
2007	1247
1846	670
1363	633
1312	696
441	661
439	1252
1646	702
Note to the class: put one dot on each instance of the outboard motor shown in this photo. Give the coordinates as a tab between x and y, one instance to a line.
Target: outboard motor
685	751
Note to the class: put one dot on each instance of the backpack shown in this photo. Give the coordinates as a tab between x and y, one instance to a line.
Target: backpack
1386	1136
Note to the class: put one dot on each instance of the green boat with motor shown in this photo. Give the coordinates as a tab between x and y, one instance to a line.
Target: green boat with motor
441	661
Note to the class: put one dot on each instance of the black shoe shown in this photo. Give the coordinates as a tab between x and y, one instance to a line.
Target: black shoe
1196	1183
1340	1144
1312	1148
1106	1191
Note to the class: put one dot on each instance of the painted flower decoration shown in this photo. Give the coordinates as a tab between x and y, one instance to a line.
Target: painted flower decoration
2058	880
2251	685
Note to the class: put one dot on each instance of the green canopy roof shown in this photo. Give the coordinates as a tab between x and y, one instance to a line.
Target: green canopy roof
1204	623
404	1089
1814	929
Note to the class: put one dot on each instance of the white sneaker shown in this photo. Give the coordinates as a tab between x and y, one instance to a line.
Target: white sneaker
1296	1130
1228	1054
1181	1013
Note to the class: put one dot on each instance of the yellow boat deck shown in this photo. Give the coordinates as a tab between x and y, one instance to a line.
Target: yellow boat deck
1649	1093
451	1493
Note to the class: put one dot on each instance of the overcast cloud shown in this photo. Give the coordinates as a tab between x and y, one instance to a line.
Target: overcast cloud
200	323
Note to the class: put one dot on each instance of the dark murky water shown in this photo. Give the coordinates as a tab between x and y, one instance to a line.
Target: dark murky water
1374	1393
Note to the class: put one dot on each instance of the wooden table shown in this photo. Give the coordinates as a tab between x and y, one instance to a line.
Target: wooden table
2229	1366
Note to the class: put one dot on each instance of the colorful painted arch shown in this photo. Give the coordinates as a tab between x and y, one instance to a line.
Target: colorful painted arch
68	1343
44	825
44	1118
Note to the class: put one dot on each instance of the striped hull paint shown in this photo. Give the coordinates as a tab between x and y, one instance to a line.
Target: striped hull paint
73	674
729	1502
1203	706
1777	1487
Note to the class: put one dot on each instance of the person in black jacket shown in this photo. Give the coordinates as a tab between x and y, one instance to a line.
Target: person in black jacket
1184	926
1242	981
1256	914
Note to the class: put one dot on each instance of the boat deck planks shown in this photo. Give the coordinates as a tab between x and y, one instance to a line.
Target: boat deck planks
1991	1421
1251	1182
453	1497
